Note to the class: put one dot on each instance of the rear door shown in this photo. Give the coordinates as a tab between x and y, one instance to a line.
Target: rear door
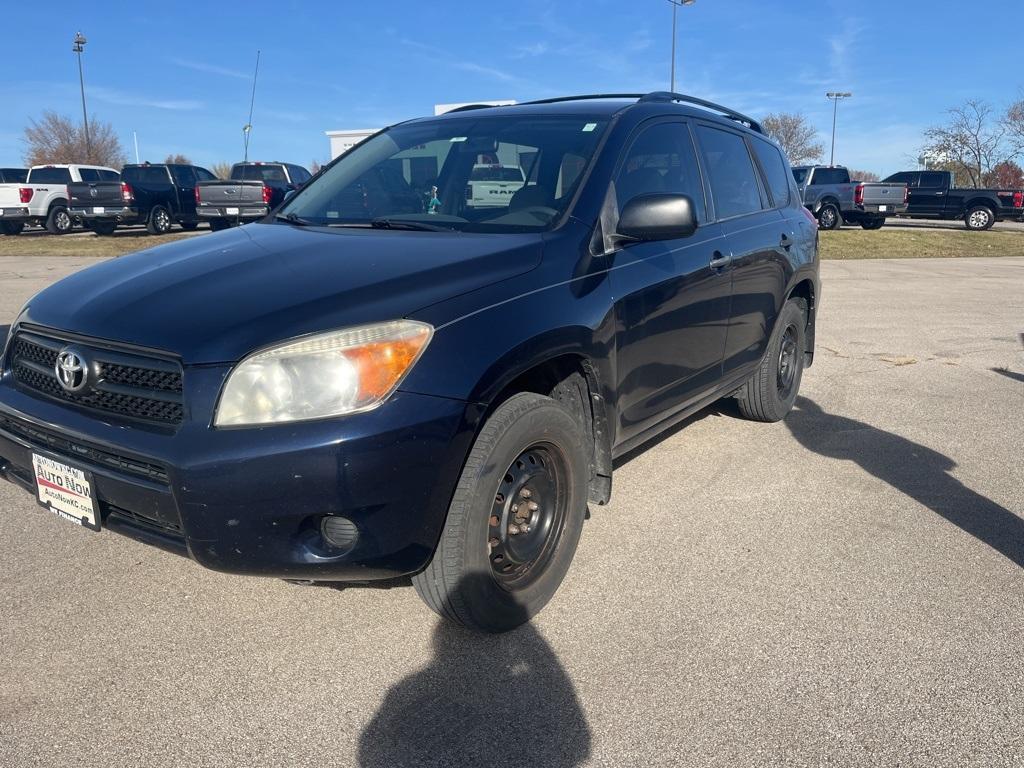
672	299
185	191
757	234
932	194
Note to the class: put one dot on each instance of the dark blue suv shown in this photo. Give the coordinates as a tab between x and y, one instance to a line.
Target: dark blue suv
409	370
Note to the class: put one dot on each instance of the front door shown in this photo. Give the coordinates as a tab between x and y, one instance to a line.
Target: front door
672	296
932	194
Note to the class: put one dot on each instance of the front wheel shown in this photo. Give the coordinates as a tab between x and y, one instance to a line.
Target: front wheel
159	222
979	218
770	392
11	227
58	221
515	519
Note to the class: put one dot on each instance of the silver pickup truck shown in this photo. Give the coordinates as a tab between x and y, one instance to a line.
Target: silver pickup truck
833	198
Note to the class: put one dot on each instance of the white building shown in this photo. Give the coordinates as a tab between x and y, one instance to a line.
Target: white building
342	141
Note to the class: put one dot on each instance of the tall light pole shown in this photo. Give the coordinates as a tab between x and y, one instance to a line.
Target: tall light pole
78	47
835	96
675	5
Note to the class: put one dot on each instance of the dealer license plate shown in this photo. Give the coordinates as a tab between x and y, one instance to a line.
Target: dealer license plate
66	491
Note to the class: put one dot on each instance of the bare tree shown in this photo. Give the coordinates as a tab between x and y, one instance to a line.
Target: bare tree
864	175
795	135
971	142
58	139
177	159
221	170
1013	122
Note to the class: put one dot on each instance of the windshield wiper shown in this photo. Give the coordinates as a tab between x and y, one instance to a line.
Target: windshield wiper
421	226
291	218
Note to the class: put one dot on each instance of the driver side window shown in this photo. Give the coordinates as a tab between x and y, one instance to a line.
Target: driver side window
661	160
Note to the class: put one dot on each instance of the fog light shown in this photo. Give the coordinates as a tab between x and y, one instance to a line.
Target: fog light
339	532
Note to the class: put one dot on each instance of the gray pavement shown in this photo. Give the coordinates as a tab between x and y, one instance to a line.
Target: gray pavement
843	588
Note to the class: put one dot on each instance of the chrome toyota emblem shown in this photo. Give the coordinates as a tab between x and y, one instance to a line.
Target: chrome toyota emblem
72	371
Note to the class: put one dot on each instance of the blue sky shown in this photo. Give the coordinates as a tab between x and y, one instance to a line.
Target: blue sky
179	74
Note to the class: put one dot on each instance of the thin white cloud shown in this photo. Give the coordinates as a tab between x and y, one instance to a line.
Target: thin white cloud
114	96
211	69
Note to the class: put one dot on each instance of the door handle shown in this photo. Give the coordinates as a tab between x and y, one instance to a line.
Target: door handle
786	242
719	261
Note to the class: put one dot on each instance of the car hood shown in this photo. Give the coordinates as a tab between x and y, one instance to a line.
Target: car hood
216	298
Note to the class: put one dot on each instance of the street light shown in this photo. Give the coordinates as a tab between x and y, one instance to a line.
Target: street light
835	96
676	4
78	47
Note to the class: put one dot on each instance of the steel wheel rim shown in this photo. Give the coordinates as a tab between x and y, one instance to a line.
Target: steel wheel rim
788	362
63	221
979	219
528	515
828	217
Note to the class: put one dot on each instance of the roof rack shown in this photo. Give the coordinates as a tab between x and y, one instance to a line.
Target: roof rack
467	107
660	96
730	113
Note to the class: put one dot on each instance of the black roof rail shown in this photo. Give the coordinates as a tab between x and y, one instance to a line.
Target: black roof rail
467	107
586	97
739	117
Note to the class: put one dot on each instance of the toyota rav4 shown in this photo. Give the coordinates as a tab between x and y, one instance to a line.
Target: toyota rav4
384	379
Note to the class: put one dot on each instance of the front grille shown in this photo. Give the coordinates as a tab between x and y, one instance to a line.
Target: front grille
126	384
59	444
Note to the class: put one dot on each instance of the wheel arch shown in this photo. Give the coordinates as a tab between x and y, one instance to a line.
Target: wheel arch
804	287
982	202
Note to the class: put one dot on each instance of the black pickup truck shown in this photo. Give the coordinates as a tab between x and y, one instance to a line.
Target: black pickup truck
156	195
253	190
931	195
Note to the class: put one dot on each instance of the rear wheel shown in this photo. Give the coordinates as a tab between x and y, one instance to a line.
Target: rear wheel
159	222
58	221
104	227
829	216
770	393
873	223
11	227
979	218
515	519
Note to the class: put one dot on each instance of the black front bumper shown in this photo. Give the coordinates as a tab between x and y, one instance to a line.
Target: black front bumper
251	500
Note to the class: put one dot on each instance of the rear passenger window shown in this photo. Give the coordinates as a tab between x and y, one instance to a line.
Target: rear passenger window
182	175
661	161
89	174
730	173
774	170
108	175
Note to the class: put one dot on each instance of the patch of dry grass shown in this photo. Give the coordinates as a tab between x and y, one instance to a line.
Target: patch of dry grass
34	243
918	243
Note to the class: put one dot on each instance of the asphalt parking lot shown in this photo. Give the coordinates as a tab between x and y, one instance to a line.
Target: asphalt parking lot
842	588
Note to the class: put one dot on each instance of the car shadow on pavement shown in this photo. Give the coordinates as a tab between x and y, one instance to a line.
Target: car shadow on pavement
921	473
1001	371
482	700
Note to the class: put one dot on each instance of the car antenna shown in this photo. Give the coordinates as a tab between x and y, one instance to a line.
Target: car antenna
248	126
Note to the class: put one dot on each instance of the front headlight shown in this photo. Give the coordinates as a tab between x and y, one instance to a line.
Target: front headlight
329	374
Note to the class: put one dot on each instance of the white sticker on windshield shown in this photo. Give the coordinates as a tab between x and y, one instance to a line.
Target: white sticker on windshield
457	138
589	127
333	215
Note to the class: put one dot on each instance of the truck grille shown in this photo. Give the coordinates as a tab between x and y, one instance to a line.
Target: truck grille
130	385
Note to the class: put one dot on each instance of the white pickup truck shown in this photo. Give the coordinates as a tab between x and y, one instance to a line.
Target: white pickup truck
493	185
43	198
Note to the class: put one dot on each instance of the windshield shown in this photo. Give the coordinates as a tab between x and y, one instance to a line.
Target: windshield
427	172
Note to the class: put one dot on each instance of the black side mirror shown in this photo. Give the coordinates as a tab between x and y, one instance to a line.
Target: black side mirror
657	217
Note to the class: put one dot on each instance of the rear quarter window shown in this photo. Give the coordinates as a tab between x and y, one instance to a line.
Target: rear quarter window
109	175
774	170
146	175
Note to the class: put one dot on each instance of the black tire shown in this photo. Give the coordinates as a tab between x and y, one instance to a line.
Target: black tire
190	226
979	218
159	221
58	220
770	393
829	217
104	227
873	223
218	224
529	459
11	227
